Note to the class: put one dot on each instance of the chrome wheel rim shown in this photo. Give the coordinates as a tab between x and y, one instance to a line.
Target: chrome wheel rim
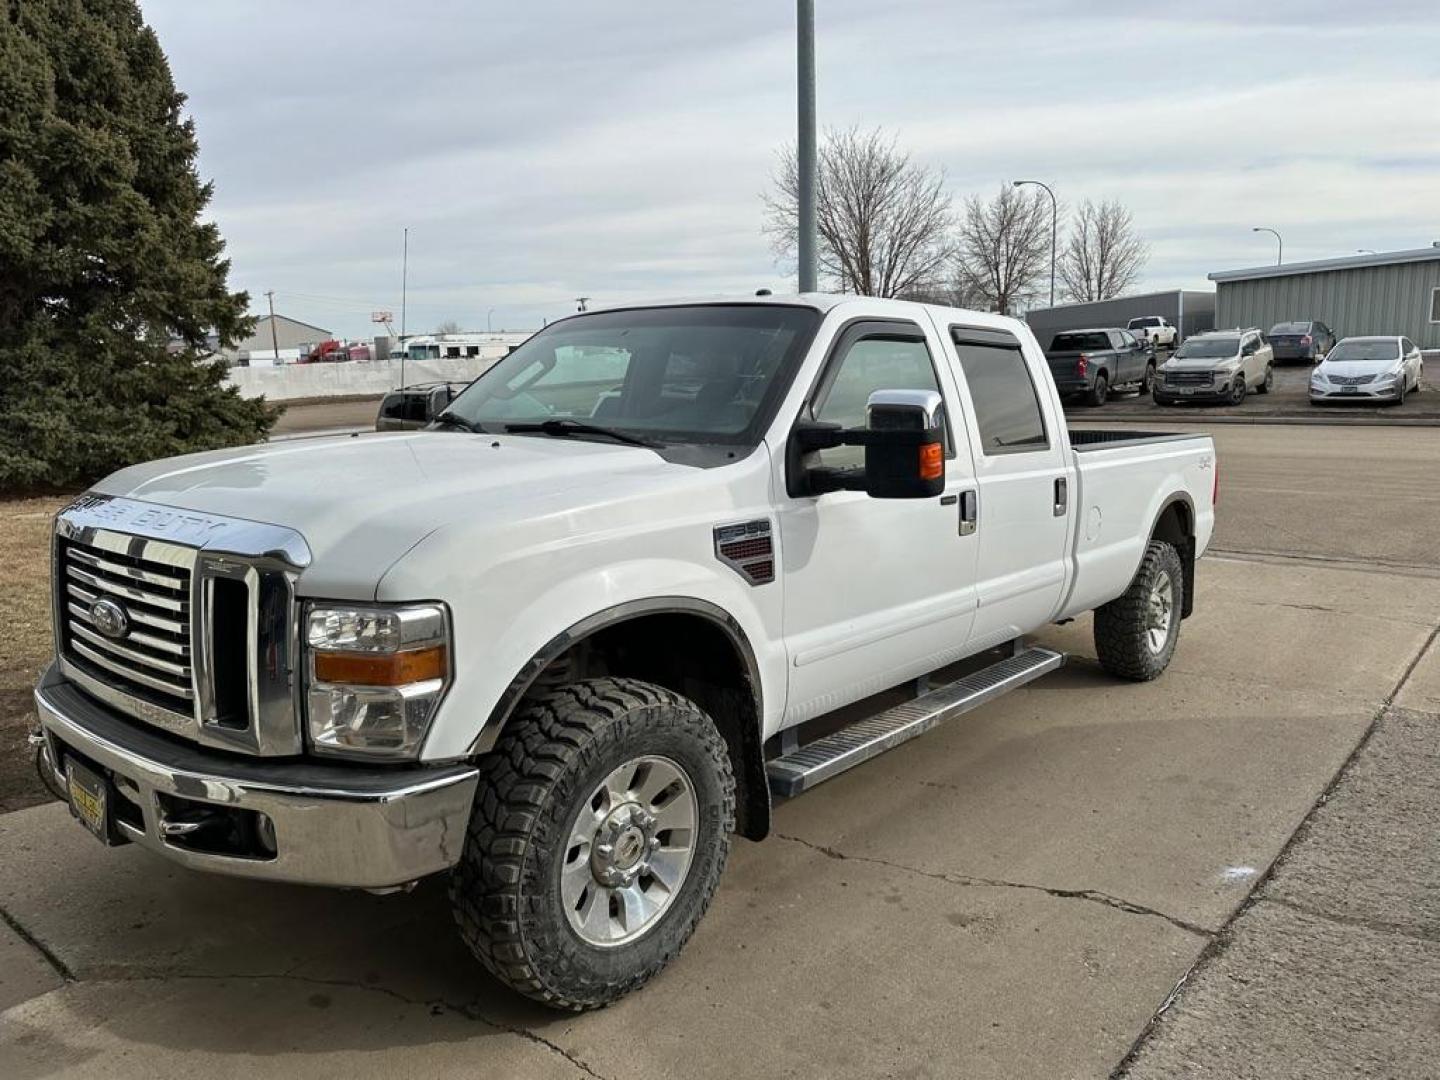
629	851
1160	608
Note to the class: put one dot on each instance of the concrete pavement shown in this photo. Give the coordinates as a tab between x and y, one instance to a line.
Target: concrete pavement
1015	894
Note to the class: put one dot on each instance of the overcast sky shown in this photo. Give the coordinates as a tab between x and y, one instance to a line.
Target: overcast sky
542	151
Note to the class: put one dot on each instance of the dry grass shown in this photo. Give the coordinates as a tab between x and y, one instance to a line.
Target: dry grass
26	646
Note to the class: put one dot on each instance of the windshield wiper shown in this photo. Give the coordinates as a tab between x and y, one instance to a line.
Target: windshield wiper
456	420
563	427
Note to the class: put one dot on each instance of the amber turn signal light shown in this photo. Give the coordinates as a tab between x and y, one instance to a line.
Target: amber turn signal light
380	669
932	461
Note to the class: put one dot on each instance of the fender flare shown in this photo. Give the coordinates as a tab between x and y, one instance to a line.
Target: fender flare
1187	553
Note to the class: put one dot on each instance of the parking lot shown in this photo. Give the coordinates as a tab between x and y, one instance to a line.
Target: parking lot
1016	894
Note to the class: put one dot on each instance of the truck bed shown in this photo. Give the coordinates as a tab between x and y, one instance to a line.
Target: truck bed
1085	439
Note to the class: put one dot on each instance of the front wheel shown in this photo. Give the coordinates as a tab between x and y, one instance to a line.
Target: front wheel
1135	634
1237	392
1147	384
598	836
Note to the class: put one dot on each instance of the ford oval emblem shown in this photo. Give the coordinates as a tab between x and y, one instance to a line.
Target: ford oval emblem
109	618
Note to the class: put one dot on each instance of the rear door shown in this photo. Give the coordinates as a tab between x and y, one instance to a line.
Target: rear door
1024	482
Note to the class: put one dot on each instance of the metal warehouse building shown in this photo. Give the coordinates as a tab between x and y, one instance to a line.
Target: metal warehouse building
1192	311
1396	292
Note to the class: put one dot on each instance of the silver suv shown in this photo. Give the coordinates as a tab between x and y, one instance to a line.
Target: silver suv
1222	365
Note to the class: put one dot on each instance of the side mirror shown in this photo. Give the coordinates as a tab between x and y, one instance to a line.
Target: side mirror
904	441
437	402
905	447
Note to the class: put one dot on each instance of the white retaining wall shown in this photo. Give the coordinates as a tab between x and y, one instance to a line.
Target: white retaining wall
349	379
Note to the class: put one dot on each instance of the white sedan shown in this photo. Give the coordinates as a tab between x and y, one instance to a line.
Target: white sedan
1368	369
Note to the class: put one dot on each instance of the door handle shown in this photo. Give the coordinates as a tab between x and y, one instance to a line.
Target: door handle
1062	497
969	512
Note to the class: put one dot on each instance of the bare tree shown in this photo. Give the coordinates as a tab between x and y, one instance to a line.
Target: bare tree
449	326
1104	255
884	221
1004	248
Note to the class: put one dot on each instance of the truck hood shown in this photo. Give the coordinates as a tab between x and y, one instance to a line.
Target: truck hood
362	501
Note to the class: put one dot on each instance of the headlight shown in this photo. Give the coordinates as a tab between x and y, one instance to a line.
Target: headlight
1317	378
375	674
1387	376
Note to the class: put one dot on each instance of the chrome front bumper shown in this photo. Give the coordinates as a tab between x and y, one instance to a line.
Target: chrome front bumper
332	825
1367	392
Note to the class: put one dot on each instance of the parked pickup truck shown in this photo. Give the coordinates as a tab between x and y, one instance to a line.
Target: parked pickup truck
1092	363
566	642
1155	329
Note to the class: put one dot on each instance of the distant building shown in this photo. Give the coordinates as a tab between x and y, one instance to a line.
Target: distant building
1192	311
290	335
1392	292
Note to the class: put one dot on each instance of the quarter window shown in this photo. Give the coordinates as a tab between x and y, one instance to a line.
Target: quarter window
1007	407
1435	305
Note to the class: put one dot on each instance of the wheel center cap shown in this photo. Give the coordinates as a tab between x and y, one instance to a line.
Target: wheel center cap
629	847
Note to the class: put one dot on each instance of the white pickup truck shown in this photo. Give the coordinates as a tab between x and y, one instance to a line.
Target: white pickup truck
1155	330
566	642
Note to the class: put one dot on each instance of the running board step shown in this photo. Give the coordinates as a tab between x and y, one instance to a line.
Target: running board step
831	755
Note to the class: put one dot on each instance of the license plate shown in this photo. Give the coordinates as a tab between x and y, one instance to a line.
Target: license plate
89	798
1187	390
1349	389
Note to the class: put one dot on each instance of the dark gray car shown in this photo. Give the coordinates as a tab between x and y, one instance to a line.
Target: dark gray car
1094	362
1304	339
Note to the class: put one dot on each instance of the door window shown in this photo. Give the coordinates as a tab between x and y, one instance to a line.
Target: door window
866	364
1128	339
1007	406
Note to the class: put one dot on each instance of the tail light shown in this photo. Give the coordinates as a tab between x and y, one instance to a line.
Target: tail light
1082	365
1305	340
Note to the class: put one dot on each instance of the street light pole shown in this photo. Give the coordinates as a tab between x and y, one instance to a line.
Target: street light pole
487	319
1280	252
1054	228
805	156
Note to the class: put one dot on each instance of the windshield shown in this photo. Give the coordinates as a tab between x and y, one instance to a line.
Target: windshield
1364	350
1208	348
1095	339
681	374
1290	328
1140	324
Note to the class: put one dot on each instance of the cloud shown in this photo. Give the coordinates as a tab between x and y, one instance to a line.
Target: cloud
542	151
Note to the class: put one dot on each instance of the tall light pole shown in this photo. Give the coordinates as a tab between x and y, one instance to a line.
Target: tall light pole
805	157
487	318
1054	227
1280	252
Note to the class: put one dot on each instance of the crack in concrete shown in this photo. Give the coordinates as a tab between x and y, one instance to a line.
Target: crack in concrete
966	881
57	965
469	1010
1219	941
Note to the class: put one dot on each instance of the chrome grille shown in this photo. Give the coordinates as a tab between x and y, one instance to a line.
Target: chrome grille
1351	380
1189	378
150	656
181	620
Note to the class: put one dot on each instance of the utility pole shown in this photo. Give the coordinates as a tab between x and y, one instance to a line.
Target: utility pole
404	282
1054	227
274	337
805	155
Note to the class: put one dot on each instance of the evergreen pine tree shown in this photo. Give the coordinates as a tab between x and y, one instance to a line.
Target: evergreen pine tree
104	259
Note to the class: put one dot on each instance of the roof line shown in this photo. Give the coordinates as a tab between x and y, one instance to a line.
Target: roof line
1320	266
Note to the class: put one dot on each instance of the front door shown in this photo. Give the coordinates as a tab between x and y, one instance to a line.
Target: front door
1024	486
877	591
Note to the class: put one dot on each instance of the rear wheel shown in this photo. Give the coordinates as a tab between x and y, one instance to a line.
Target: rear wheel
1135	634
598	835
1099	391
1269	383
